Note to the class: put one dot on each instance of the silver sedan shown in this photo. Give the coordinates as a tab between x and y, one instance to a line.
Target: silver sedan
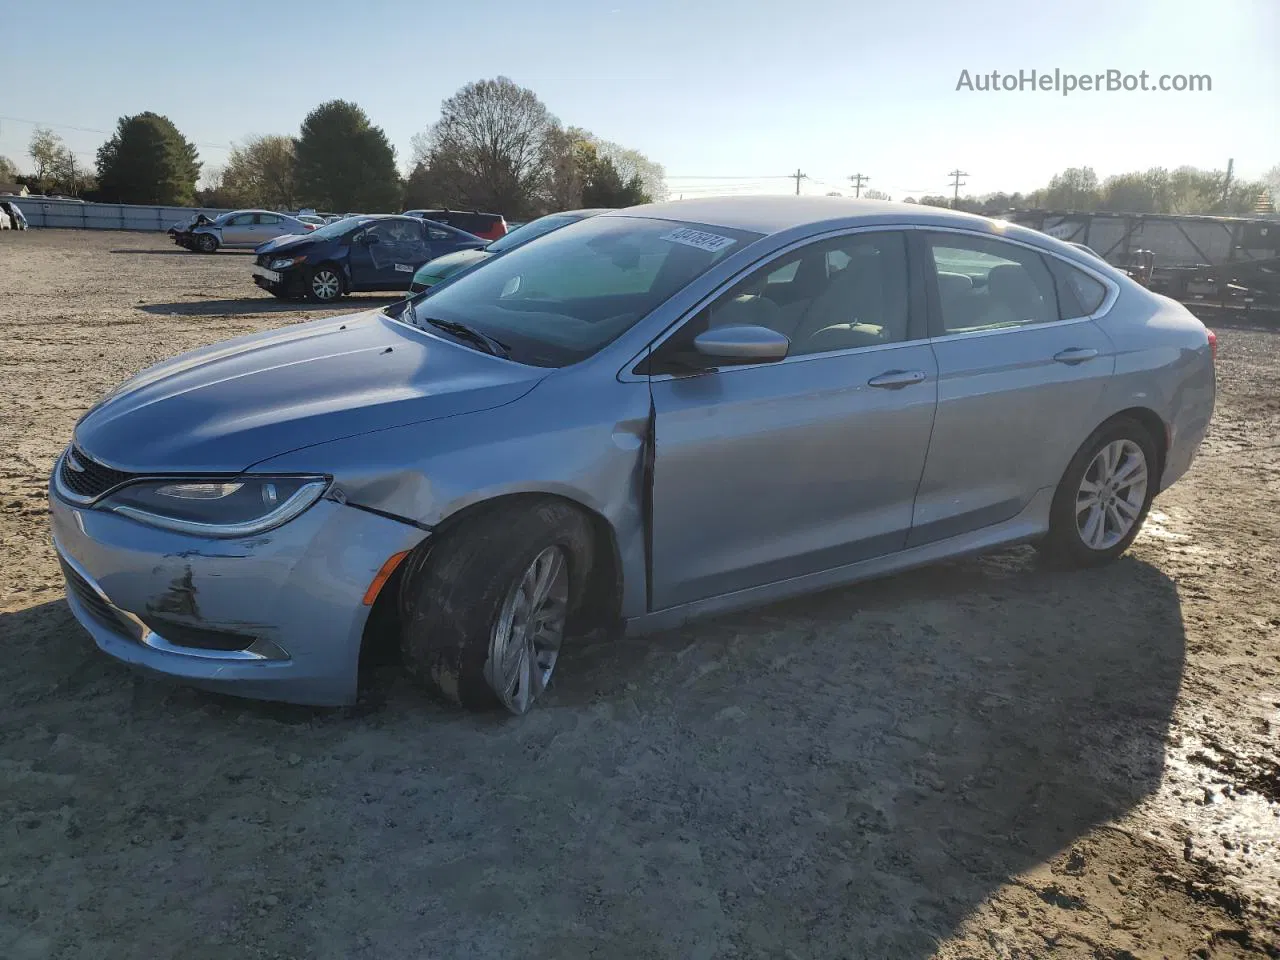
242	229
651	415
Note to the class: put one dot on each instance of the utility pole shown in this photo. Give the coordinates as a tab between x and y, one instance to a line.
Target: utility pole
957	183
798	176
858	180
1226	183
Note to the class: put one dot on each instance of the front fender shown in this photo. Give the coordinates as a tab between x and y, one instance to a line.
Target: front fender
552	440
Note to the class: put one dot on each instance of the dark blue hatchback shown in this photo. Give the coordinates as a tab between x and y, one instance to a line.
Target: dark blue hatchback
355	254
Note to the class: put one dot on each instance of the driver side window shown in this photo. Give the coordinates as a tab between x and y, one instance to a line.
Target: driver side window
837	294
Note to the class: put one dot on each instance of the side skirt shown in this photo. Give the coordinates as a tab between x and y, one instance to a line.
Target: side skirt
1030	524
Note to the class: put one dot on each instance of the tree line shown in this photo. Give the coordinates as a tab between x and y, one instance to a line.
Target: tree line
496	147
1183	190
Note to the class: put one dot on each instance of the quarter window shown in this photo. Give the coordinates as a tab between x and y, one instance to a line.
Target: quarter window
1079	295
435	233
837	294
989	284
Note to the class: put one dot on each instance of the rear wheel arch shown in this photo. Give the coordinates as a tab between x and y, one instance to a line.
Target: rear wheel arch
1155	427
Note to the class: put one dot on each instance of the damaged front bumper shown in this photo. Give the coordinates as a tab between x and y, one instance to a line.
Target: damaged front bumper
278	616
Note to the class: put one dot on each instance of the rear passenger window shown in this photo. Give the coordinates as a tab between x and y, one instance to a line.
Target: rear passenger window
268	218
990	284
1079	295
435	233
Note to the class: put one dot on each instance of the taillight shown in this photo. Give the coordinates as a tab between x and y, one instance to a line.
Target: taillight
1213	345
309	226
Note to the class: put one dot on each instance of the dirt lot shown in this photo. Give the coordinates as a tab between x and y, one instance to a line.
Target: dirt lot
978	760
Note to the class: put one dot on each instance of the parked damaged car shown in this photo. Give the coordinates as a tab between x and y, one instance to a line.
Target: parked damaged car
237	230
651	415
367	253
11	216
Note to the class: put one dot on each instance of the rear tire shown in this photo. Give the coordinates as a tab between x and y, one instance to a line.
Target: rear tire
206	243
457	601
1103	497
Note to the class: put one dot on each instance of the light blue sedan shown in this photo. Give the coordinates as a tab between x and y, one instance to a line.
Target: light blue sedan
655	414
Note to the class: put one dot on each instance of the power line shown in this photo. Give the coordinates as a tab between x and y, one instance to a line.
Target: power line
105	133
957	183
716	176
858	179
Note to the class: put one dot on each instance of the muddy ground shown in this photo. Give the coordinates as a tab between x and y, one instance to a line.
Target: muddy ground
982	759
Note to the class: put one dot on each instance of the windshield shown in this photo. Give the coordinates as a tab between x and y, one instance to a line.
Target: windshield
337	228
559	300
532	230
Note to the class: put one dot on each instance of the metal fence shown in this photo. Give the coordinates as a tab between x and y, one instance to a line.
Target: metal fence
44	212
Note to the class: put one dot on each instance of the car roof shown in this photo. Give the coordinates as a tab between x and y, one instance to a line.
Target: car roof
769	215
274	213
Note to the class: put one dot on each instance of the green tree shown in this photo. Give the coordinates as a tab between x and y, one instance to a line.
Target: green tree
260	173
1076	188
48	153
874	194
632	164
935	200
8	171
603	185
344	163
148	161
1129	193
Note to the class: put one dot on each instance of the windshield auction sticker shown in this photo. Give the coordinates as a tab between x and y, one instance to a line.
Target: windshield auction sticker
711	242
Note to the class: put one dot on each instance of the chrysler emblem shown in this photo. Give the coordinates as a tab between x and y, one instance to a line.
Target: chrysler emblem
73	462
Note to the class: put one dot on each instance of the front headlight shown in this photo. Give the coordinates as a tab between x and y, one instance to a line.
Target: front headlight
284	263
239	507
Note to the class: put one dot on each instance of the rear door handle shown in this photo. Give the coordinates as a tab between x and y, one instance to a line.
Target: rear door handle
1074	355
897	379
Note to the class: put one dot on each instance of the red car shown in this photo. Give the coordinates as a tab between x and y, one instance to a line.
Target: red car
487	226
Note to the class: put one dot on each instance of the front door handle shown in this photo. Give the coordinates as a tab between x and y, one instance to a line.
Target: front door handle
897	379
1074	355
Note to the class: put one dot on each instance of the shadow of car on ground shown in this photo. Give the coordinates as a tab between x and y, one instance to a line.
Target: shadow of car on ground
266	304
848	774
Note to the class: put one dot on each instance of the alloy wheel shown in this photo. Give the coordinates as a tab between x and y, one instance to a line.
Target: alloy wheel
325	285
1111	495
527	634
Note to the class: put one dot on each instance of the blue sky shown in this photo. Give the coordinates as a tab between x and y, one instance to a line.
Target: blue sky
727	94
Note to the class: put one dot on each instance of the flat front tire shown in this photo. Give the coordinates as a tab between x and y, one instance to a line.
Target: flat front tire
484	610
1103	497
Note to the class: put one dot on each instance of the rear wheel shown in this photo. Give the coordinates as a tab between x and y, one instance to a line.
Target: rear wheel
1103	497
324	284
207	243
485	610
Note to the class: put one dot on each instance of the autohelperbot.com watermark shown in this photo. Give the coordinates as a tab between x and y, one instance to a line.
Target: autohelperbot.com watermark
1064	82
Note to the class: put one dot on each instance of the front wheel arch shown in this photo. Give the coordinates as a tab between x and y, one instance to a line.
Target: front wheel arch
602	597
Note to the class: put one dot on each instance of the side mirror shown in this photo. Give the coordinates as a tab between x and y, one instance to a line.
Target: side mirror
728	346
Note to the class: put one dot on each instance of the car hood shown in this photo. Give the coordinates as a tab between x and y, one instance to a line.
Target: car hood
286	241
451	263
228	406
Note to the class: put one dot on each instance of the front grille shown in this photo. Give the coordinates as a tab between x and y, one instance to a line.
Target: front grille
92	602
93	479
